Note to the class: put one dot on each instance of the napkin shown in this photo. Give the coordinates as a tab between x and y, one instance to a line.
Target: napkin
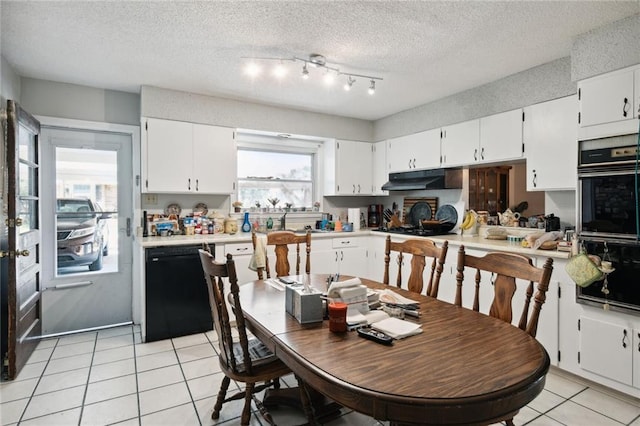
397	328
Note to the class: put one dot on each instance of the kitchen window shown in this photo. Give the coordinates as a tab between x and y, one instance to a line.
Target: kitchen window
277	169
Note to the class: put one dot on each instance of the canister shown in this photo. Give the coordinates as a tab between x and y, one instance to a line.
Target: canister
230	225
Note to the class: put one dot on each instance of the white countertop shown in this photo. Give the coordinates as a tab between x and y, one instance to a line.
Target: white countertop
477	242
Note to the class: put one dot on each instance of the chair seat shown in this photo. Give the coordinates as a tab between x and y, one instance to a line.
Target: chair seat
266	369
258	353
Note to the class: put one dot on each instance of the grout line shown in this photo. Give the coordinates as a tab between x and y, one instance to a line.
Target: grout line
86	385
135	371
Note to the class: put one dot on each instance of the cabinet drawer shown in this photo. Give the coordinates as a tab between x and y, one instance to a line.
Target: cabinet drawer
345	242
238	249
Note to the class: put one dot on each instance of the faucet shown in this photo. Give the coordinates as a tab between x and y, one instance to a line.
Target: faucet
283	221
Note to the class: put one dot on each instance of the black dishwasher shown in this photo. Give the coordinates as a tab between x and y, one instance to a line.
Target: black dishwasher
176	295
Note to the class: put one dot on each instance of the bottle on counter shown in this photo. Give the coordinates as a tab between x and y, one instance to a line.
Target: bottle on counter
246	225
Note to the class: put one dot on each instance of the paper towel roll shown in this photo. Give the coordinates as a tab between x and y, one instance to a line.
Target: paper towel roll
354	217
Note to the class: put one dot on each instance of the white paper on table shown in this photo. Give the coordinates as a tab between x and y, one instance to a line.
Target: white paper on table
397	328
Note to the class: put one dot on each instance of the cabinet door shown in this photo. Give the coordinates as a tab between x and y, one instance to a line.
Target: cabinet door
605	349
606	99
426	148
460	143
214	159
352	261
501	136
353	168
168	146
380	175
399	154
551	144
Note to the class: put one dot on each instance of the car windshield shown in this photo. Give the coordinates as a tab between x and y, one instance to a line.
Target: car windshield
73	206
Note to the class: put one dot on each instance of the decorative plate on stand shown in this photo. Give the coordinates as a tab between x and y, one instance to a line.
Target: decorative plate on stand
201	208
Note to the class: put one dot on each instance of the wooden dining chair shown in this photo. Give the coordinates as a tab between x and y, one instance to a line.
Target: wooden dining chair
505	269
420	250
282	240
248	360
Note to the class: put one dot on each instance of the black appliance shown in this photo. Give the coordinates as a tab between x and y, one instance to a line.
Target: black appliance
608	188
424	179
176	295
374	218
621	284
551	223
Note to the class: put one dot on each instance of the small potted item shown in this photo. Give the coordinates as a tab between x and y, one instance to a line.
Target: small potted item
237	206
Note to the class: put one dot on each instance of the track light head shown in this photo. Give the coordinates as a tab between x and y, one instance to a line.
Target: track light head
349	83
305	71
372	87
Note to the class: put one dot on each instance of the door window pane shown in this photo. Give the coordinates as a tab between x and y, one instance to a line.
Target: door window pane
86	210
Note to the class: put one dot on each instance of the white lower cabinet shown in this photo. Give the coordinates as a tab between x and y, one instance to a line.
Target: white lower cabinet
340	255
606	349
242	253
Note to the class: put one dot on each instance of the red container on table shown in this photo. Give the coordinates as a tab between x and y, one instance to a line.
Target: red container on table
338	317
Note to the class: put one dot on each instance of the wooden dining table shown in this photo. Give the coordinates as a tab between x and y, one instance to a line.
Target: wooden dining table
465	368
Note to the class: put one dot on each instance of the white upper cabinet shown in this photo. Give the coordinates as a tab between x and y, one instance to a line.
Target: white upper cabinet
180	157
214	159
460	143
501	137
414	152
609	104
551	141
380	174
349	168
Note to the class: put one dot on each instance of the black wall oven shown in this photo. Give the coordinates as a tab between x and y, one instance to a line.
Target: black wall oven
608	216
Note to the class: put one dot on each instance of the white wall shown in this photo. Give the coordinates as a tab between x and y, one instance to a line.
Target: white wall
538	84
606	49
63	100
183	106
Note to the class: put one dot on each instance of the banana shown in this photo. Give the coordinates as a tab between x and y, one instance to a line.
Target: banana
465	222
469	220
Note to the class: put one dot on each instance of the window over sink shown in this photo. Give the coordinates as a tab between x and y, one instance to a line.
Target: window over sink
279	169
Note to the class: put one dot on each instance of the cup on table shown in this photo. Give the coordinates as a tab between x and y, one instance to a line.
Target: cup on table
337	317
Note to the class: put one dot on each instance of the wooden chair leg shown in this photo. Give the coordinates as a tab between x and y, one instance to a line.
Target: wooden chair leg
510	422
221	396
246	411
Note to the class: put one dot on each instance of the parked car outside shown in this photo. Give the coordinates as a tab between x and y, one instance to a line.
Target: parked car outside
82	233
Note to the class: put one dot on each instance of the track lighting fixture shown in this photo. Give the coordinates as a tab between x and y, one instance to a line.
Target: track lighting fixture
349	83
315	61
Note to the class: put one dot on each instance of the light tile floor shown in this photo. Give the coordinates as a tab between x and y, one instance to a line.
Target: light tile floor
109	377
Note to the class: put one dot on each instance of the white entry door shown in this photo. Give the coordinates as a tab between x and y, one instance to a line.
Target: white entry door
87	213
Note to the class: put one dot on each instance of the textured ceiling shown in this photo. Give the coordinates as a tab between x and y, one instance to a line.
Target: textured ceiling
423	50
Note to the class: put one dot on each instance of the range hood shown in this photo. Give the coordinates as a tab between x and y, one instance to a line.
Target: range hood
424	179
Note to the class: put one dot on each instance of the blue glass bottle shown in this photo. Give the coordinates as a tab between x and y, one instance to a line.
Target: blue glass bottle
246	225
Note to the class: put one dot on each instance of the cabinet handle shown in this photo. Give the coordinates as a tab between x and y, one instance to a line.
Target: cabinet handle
336	256
197	184
358	188
341	255
535	179
482	154
475	154
409	162
624	338
625	107
414	163
189	184
354	189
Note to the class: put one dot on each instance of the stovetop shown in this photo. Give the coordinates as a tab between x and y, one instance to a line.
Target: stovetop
418	232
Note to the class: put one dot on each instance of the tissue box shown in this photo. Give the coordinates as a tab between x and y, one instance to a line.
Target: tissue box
305	307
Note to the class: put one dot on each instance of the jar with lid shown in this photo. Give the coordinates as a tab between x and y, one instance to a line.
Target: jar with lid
218	223
230	225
